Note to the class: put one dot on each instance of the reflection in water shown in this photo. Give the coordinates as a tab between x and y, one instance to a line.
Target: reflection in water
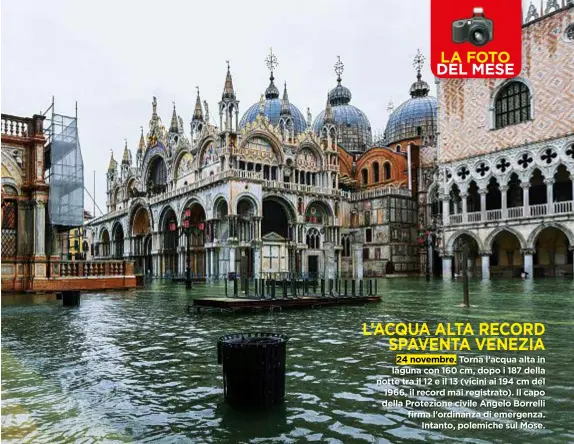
134	365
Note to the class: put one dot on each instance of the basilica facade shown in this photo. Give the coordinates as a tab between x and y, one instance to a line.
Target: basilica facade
274	190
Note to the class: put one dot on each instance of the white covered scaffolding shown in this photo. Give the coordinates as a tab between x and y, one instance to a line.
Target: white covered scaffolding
64	170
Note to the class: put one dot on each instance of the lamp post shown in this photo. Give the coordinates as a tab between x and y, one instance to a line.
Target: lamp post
427	239
188	228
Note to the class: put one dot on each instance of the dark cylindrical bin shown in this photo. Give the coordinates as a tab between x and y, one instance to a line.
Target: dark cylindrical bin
253	368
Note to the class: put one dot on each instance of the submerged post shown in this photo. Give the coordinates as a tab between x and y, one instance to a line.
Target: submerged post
70	298
253	368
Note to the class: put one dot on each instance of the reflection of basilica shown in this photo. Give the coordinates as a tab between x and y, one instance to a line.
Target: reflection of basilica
273	191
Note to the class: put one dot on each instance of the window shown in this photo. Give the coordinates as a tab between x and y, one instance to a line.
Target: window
569	33
313	239
512	105
398	149
365	176
365	253
367	218
369	235
387	171
346	241
375	172
9	228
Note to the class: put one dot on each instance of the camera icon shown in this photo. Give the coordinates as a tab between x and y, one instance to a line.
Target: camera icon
476	30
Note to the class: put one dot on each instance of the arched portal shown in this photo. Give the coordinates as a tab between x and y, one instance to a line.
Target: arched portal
140	227
170	239
118	234
462	241
506	260
105	242
196	239
247	227
276	232
552	256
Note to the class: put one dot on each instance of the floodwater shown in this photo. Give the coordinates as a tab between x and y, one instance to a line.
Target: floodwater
134	366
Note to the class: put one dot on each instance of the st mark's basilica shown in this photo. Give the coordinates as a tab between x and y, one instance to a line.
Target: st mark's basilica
272	189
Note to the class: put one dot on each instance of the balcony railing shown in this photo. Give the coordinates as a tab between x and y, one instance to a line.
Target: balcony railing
15	126
540	210
297	187
92	268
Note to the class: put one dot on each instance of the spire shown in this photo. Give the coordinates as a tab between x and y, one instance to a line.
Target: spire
127	157
271	92
328	112
197	112
113	164
141	146
174	126
154	106
420	88
285	108
206	106
390	107
309	118
228	91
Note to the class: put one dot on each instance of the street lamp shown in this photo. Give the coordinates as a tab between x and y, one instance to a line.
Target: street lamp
188	228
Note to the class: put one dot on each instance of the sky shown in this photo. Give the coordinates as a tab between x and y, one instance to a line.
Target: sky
112	57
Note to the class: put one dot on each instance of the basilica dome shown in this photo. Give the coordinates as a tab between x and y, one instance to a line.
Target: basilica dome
417	117
272	109
353	125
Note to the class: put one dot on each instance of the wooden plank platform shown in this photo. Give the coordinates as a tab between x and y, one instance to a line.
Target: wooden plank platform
245	304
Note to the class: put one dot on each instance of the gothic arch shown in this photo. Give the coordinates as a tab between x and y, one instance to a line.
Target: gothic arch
285	203
276	144
14	171
246	195
315	149
454	237
163	214
190	202
531	243
203	145
138	205
490	238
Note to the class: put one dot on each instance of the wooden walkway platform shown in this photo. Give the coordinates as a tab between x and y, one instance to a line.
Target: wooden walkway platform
245	304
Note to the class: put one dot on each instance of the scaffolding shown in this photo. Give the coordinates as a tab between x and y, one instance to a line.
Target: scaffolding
64	170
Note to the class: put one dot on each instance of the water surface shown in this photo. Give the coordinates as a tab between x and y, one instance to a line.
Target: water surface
134	366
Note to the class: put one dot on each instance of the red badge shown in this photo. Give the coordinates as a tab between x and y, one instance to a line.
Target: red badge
476	39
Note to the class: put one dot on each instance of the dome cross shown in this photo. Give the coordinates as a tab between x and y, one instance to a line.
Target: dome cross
339	67
418	63
271	61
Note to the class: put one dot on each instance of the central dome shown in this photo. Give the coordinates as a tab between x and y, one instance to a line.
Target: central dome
353	125
272	109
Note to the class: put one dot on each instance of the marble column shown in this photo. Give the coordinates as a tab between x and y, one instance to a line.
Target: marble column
503	201
40	229
445	210
549	194
212	270
464	201
447	267
525	198
330	260
257	262
528	262
571	249
485	261
358	265
483	193
231	259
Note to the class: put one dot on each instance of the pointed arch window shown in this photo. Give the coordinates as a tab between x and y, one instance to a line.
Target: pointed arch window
313	239
512	105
